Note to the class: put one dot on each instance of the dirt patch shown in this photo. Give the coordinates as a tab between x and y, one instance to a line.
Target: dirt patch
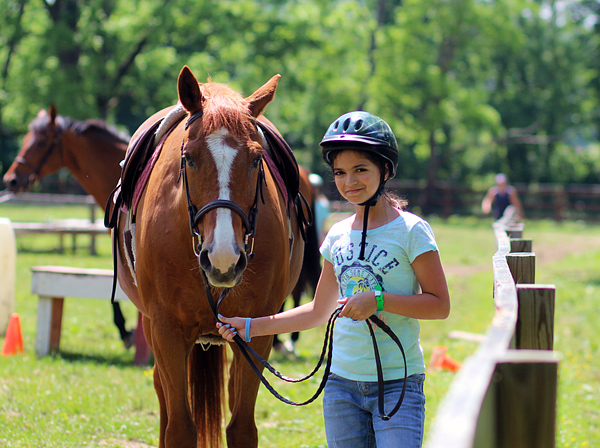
549	249
553	250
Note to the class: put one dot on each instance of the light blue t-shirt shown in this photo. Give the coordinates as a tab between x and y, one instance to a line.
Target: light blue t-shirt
389	252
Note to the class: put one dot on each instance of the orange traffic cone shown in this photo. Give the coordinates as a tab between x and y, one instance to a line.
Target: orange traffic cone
440	360
13	342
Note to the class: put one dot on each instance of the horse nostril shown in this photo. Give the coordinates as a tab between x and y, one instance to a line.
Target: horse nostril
242	263
12	183
204	261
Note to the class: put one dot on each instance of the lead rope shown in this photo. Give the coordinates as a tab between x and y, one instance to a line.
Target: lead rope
249	352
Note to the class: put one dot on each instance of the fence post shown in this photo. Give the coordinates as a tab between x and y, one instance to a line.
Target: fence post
526	393
93	207
522	266
515	230
535	324
559	202
520	245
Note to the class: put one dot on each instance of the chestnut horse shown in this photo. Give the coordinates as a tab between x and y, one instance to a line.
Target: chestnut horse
91	150
211	175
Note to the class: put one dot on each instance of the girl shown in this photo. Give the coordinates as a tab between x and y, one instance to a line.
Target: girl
396	272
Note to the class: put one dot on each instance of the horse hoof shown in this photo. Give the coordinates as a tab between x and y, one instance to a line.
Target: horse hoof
129	340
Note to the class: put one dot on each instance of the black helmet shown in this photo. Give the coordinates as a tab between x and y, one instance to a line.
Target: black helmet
363	131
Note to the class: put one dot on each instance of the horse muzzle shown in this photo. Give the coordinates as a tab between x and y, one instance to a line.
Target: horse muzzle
223	270
16	184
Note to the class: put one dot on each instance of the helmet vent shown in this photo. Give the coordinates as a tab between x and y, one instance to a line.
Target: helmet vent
358	125
346	124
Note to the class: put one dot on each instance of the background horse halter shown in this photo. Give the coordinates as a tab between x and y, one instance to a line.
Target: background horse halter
36	144
36	170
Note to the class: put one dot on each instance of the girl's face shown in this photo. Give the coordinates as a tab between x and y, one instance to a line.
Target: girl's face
356	177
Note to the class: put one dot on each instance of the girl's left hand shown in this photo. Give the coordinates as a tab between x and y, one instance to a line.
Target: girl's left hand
360	306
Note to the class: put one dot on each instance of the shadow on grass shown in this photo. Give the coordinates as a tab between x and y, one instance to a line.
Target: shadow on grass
594	281
124	360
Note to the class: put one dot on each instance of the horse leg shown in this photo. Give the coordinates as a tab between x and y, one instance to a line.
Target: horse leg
296	296
278	343
243	389
160	394
171	358
128	337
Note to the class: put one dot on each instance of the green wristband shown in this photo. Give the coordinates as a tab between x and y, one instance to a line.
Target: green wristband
379	298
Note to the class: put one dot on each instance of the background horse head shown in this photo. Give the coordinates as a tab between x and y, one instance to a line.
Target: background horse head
91	150
210	175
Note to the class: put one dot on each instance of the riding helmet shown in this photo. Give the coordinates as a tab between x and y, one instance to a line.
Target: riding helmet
362	131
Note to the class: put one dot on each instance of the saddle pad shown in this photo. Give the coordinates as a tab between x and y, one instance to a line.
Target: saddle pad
283	158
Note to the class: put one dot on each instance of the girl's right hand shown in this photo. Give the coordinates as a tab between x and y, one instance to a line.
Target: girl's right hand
231	326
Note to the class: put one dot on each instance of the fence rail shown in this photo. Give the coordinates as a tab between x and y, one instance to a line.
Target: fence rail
550	201
505	394
73	227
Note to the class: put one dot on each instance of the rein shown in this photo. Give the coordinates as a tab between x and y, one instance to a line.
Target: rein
249	352
37	170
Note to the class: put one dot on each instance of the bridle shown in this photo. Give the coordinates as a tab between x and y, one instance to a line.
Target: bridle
195	215
249	222
56	141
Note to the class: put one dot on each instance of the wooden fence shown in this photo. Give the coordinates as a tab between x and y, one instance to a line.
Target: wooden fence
549	201
504	396
73	227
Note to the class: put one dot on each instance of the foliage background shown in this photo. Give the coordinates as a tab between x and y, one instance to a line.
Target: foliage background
471	87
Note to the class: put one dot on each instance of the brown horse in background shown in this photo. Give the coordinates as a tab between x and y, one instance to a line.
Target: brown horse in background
91	150
213	163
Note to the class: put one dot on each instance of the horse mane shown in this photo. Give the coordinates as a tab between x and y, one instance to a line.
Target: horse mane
225	108
64	124
222	108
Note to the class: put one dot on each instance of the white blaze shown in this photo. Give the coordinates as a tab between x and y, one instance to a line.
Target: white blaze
223	254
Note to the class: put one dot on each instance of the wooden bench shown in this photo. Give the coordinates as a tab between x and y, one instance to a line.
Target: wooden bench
54	283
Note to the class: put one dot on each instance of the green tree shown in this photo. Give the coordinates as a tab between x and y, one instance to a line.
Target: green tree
542	92
431	80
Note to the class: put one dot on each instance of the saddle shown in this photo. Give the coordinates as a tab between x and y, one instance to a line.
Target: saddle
144	151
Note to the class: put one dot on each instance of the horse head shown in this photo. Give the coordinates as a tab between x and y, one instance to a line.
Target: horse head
39	155
222	165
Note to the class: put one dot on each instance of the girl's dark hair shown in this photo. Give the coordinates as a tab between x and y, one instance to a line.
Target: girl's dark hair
384	166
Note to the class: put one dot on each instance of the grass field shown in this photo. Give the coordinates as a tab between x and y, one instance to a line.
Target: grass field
91	395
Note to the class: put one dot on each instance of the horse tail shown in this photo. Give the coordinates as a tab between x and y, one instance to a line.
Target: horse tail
207	392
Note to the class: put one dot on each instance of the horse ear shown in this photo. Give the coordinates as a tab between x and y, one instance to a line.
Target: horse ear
189	90
53	113
263	96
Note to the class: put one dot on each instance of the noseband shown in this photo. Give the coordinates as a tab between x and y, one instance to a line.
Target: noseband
36	170
195	215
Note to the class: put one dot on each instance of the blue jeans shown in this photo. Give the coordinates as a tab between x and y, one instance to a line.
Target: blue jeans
352	416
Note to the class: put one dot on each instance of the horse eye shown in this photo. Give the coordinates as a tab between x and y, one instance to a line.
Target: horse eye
256	162
189	159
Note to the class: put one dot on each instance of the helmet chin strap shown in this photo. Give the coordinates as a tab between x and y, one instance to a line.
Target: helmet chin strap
368	204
